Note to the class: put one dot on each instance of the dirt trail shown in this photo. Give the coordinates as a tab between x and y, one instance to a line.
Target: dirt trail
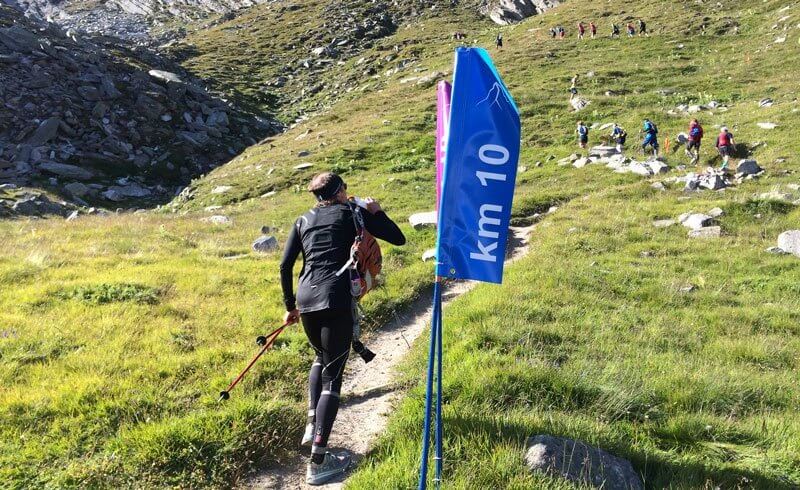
368	389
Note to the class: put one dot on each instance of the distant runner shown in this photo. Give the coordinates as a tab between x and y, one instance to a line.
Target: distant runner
650	131
643	28
618	136
631	30
593	29
614	30
499	40
583	134
695	137
573	87
581	30
725	145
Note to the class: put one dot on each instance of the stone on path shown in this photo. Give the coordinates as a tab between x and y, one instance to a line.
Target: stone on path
578	462
581	162
707	232
265	244
789	242
578	103
716	212
423	220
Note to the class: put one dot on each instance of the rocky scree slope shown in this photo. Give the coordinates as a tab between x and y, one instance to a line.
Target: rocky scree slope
100	124
131	20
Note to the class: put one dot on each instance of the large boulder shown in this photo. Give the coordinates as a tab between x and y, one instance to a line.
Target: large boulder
506	12
580	463
789	242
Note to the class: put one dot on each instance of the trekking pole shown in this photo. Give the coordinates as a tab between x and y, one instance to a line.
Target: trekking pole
264	340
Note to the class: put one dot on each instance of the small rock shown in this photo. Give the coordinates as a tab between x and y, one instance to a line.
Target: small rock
73	216
165	76
429	254
303	166
707	232
46	131
217	219
688	288
789	242
66	171
578	462
265	244
423	220
748	167
221	189
658	186
765	102
664	223
767	125
695	221
581	162
716	213
77	189
777	251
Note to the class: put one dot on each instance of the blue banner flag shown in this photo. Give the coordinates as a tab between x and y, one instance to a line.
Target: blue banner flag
480	172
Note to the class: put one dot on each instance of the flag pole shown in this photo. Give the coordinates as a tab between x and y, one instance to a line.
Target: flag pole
423	472
438	457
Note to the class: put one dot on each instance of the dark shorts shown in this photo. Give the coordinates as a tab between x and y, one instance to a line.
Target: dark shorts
724	150
650	140
692	145
583	139
573	91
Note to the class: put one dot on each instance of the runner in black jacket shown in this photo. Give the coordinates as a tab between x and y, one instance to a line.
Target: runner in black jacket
325	304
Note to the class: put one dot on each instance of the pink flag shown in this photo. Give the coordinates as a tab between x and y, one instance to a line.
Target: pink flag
442	128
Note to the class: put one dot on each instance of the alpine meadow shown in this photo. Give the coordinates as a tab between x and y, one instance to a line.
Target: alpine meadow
655	313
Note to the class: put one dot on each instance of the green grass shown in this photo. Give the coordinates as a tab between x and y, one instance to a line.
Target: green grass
116	334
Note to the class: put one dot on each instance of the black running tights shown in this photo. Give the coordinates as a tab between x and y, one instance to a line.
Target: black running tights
330	333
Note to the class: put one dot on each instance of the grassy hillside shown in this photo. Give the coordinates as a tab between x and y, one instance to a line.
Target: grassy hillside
117	333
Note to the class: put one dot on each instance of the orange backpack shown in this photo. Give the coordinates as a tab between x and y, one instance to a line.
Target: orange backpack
366	259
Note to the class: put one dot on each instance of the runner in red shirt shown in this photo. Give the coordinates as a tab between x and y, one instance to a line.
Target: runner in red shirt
592	29
581	30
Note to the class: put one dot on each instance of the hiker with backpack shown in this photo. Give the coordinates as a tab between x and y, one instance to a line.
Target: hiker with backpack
694	139
328	236
643	28
614	30
618	136
725	145
650	131
583	134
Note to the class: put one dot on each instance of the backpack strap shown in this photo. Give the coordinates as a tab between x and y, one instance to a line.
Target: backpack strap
358	221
